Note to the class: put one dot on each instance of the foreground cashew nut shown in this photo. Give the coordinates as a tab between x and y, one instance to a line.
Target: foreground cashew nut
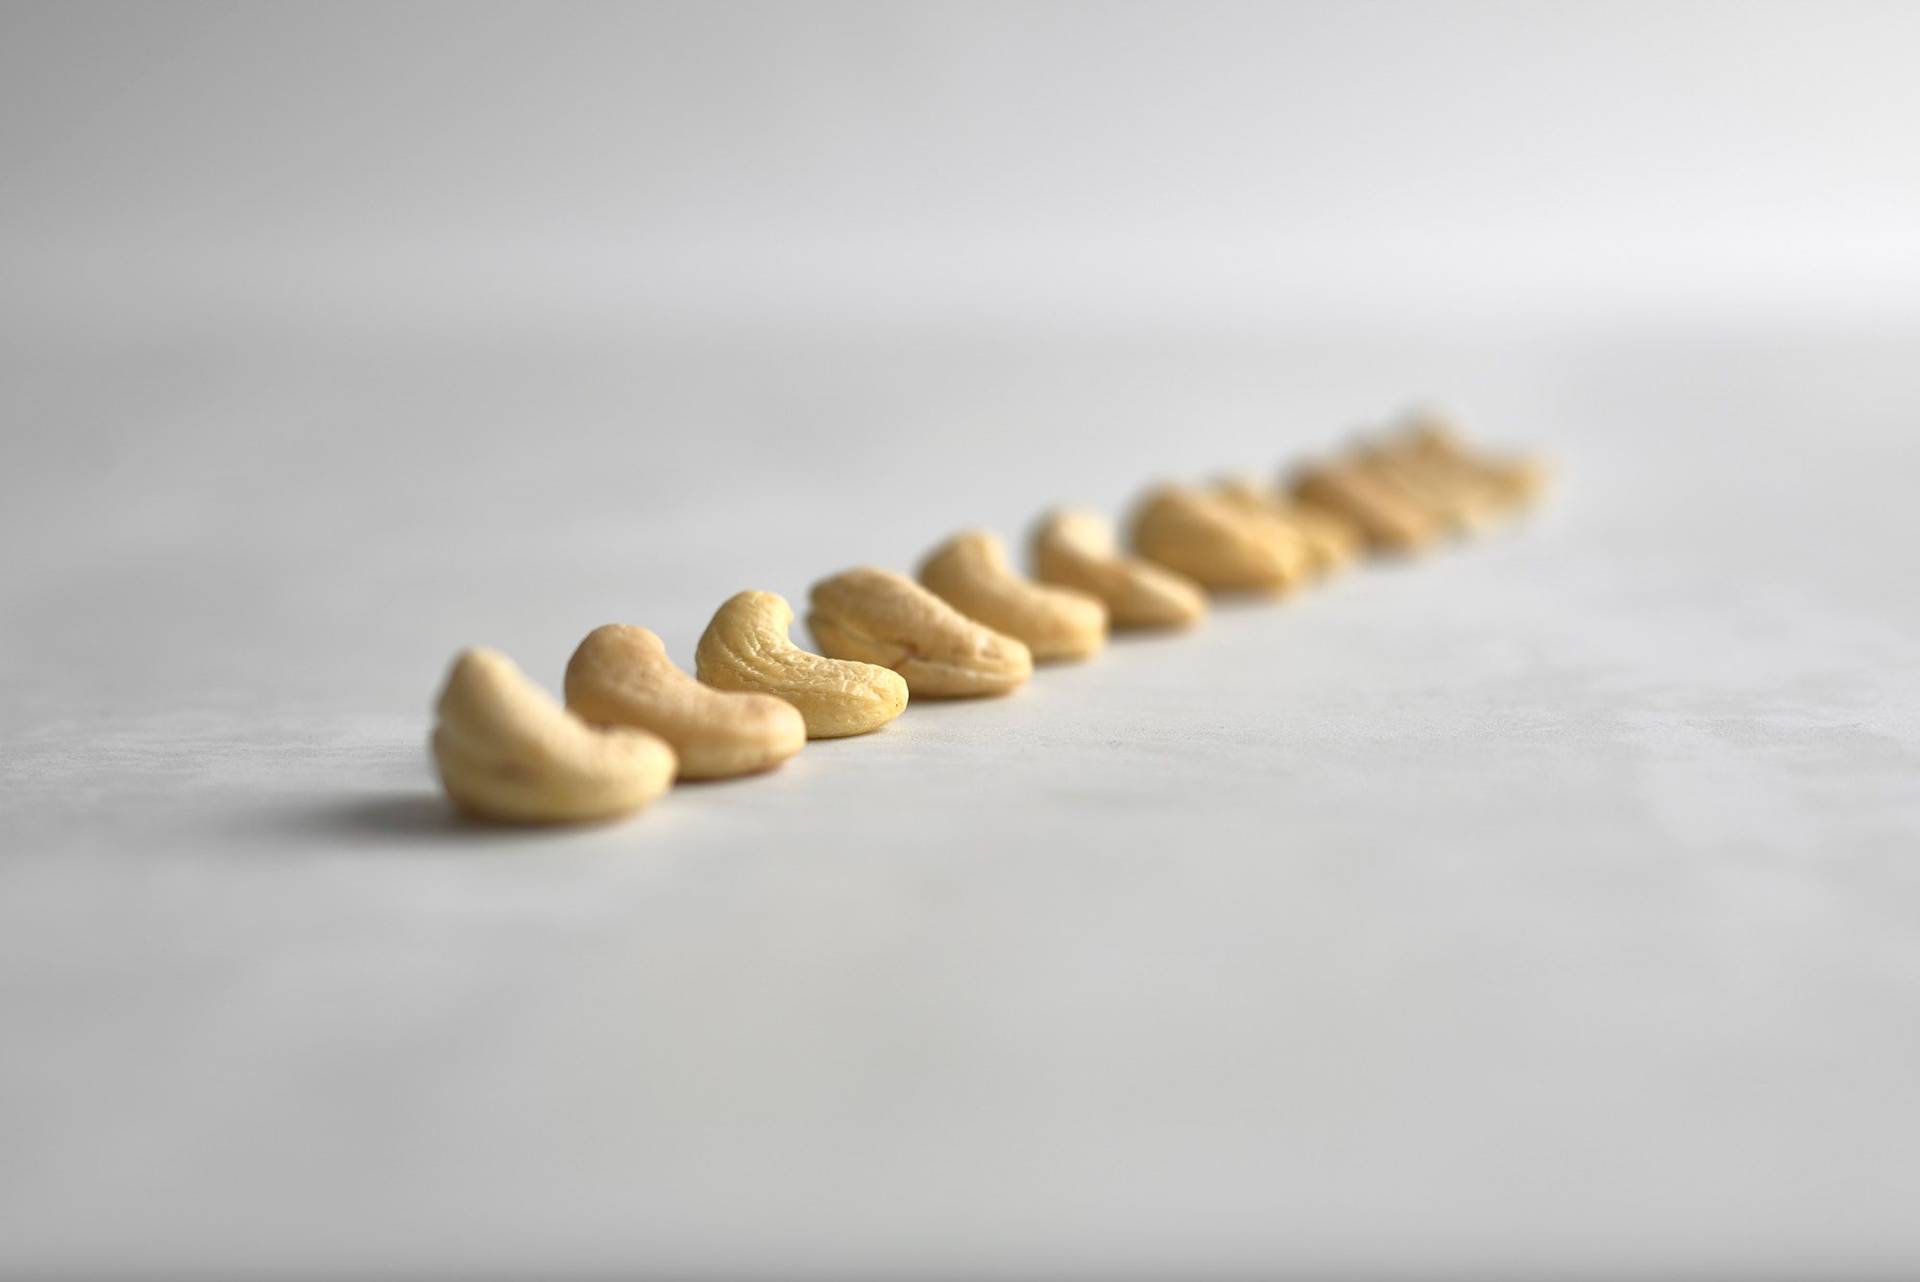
888	619
622	676
1077	550
1214	543
971	571
507	751
746	648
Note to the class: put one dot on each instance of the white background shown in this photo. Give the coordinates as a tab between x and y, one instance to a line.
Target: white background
1543	906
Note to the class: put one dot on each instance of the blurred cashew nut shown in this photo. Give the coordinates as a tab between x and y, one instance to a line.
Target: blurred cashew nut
1214	543
970	571
1074	549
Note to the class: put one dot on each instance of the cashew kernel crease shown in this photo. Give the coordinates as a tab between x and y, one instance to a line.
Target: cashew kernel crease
621	675
880	617
747	647
971	573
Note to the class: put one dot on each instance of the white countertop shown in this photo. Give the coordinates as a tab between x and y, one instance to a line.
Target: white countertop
1547	903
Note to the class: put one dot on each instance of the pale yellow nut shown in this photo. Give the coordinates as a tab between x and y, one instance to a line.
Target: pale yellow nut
971	572
1335	540
505	750
621	676
1218	546
746	647
1454	499
1078	550
1328	544
880	617
1524	478
1386	521
1510	481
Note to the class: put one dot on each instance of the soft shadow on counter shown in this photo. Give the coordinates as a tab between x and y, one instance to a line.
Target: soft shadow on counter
375	819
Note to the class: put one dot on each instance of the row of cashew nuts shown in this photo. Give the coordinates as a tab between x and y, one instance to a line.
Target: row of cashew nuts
972	625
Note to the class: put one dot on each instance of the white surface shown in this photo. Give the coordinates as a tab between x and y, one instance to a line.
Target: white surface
1549	902
1546	907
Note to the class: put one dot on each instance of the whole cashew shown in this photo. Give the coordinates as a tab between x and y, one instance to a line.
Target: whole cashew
1330	544
1386	520
1508	482
885	618
1077	550
1215	544
971	571
1453	500
507	751
622	676
746	647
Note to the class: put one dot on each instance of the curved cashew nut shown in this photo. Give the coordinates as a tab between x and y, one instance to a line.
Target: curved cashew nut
971	571
1330	544
1385	519
1074	549
1508	482
746	648
884	618
1215	544
1453	501
622	676
1335	541
507	751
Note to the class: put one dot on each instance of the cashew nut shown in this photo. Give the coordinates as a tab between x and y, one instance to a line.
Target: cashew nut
1077	550
1508	482
1335	541
622	676
1385	519
1215	544
1330	543
507	751
746	647
880	617
971	571
1453	500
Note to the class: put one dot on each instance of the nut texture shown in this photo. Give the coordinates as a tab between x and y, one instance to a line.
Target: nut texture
506	751
621	676
879	617
1078	550
746	647
971	572
1215	544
